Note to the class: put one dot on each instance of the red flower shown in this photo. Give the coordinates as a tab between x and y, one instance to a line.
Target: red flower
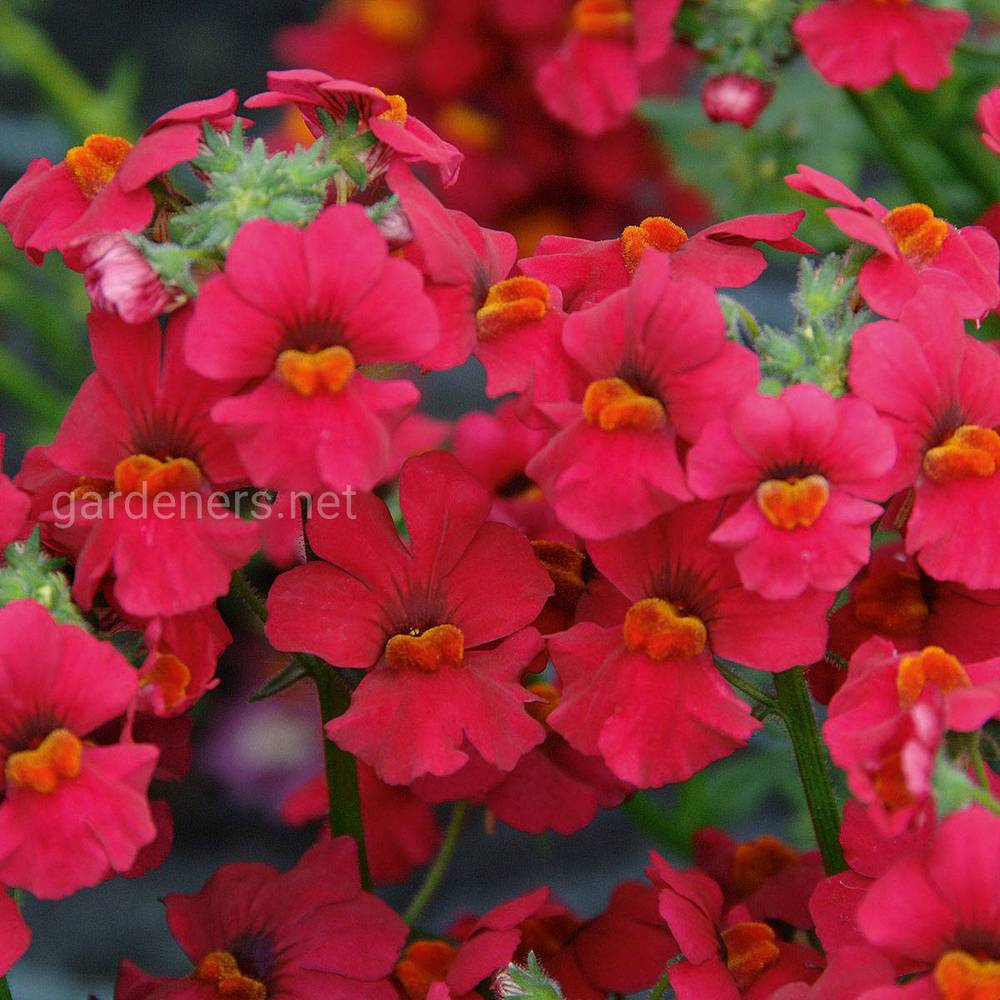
804	466
849	973
401	832
862	43
937	909
253	932
592	82
646	695
419	617
398	133
915	248
988	114
726	955
15	935
296	334
15	507
71	812
101	186
735	97
722	255
139	427
659	366
939	389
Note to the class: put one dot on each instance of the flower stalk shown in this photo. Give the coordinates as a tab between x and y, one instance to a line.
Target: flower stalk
437	870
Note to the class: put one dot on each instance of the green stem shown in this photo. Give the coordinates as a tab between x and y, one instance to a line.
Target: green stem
663	983
436	872
5	993
978	764
814	771
747	687
897	147
341	767
248	594
20	383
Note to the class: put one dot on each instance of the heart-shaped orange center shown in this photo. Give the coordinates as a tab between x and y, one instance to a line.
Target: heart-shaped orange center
960	976
148	475
428	651
793	503
654	627
309	372
57	758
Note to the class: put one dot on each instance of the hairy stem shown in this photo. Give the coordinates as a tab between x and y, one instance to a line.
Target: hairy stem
814	770
436	872
739	682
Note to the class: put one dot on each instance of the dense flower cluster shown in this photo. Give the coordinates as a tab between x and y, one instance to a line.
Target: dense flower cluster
588	593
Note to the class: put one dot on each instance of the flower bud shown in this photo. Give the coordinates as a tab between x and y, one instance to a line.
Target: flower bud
734	97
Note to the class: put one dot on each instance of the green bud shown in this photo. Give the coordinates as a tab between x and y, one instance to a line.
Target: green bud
529	982
30	572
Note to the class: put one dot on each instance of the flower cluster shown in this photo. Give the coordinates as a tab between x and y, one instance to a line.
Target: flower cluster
602	586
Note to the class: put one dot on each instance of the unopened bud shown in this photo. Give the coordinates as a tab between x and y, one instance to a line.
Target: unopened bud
734	97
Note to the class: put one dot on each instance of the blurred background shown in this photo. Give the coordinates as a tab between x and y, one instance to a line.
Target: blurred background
71	67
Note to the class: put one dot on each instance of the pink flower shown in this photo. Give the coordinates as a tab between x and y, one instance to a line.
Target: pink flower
939	389
295	335
723	255
849	973
140	426
621	684
937	909
915	249
735	97
659	367
726	955
418	618
804	467
15	935
399	134
120	280
862	43
15	507
101	186
592	82
988	115
71	811
253	932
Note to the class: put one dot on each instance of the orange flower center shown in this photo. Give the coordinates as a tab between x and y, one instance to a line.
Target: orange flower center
511	304
94	163
891	603
423	963
971	452
469	127
57	758
757	860
960	976
930	666
916	231
541	710
90	488
657	232
750	949
889	782
171	675
396	112
148	475
219	969
309	372
602	18
655	627
428	651
613	405
793	503
565	566
398	21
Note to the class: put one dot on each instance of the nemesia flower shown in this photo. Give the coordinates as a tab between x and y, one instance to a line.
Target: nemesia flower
71	811
401	832
398	133
937	909
592	82
988	115
723	255
255	933
15	508
772	880
101	185
419	616
862	43
805	467
15	935
848	974
296	336
915	249
487	945
139	427
939	389
735	97
645	695
726	955
659	366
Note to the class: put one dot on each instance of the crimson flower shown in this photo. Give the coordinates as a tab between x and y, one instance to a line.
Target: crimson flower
988	114
254	933
424	620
